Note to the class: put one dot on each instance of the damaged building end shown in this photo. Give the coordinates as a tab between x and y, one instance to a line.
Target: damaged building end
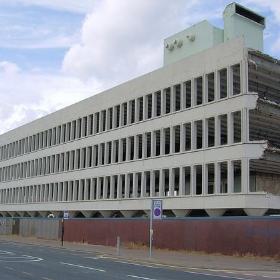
264	120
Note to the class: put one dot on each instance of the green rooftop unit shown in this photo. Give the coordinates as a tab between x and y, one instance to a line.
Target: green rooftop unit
238	21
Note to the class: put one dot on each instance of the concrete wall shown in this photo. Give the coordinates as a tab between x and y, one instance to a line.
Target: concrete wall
42	228
6	226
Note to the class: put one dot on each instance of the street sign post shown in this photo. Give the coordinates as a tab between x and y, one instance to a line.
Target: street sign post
156	214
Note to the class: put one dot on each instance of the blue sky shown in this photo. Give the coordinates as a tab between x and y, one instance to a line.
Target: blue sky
56	52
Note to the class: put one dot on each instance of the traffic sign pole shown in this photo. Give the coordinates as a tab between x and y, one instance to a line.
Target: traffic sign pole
156	213
151	228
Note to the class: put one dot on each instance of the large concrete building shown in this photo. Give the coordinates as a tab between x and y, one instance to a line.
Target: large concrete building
202	133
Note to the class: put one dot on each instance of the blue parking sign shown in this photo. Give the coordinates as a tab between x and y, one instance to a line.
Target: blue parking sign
157	209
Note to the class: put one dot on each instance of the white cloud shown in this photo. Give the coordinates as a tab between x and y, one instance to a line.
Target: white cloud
120	40
276	47
27	96
8	68
80	6
259	5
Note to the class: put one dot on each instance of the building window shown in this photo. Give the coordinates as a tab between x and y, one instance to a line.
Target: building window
167	100
236	81
210	87
223	83
198	91
158	103
177	97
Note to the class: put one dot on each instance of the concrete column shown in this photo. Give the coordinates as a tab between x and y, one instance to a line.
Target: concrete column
144	145
153	144
136	147
114	117
127	186
193	135
105	188
245	176
182	183
112	185
163	102
245	125
204	89
217	186
119	187
135	185
230	128
107	125
152	184
193	93
120	150
230	177
145	107
193	180
154	103
244	76
172	140
204	179
128	146
217	131
143	184
161	182
136	111
162	142
229	92
171	182
182	138
172	99
69	193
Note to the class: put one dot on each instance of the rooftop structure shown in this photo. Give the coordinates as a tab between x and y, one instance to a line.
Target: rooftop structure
202	134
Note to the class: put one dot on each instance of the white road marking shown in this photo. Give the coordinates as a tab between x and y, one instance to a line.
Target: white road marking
34	259
6	253
137	264
93	258
216	275
81	266
11	257
139	277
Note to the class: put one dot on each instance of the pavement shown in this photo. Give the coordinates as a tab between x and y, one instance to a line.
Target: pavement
165	258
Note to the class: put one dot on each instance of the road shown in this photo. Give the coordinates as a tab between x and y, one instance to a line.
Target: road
21	261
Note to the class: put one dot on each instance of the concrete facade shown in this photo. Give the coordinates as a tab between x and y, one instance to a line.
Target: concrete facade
202	134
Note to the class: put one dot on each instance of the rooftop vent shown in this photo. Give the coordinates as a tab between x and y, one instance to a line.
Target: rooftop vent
249	14
240	21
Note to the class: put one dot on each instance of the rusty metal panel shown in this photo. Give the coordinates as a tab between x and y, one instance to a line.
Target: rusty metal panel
238	235
242	235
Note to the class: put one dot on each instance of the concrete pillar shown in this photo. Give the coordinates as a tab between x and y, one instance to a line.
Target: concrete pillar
171	182
245	173
135	185
255	211
119	187
215	212
161	182
152	183
143	184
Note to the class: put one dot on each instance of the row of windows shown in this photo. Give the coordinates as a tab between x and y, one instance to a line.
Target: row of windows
195	92
177	181
169	140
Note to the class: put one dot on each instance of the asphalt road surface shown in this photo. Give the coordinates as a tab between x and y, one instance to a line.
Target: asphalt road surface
20	262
